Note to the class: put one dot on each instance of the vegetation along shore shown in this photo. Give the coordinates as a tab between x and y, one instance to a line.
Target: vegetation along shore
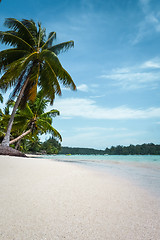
52	146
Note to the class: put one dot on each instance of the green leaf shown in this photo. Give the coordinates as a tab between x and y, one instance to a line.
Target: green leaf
62	47
14	39
51	37
10	55
61	73
15	69
22	29
52	113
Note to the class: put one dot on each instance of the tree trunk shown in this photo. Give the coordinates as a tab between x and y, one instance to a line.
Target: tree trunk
6	139
18	143
20	137
5	150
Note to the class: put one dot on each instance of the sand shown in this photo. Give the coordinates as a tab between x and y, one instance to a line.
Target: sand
47	200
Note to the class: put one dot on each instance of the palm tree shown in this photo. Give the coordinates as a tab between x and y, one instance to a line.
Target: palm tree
33	119
30	63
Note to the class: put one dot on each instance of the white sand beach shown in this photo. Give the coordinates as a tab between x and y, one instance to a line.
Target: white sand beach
42	199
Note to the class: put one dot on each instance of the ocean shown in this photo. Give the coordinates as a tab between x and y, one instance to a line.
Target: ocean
142	170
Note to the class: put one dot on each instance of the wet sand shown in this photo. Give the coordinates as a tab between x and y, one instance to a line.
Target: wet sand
45	200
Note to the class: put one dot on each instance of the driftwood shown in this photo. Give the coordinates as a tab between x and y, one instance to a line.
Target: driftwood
4	150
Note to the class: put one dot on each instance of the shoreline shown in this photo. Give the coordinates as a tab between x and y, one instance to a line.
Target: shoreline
43	200
142	173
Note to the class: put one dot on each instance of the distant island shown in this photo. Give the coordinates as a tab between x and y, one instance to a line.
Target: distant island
144	149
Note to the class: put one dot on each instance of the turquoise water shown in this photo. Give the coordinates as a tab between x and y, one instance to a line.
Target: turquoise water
142	170
155	159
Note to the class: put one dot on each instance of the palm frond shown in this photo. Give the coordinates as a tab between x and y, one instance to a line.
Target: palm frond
6	109
40	104
14	39
26	112
9	78
52	59
51	113
49	82
49	72
31	26
20	124
18	86
48	43
66	79
55	82
45	119
23	31
15	69
1	98
62	47
10	55
47	127
41	35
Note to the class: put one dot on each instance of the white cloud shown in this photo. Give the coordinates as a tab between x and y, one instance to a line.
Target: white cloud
146	75
86	108
83	88
87	88
133	80
153	64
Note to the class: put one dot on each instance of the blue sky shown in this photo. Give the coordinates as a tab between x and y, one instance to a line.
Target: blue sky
115	64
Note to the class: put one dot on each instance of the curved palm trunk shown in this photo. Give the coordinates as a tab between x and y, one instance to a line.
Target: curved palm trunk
20	137
18	143
6	139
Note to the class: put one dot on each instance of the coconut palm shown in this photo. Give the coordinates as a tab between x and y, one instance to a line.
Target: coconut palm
30	63
34	120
